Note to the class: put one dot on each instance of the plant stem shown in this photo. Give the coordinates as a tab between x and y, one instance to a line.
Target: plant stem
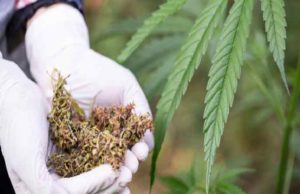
285	147
290	169
283	160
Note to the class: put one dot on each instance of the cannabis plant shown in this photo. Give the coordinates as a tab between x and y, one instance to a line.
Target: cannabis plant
194	31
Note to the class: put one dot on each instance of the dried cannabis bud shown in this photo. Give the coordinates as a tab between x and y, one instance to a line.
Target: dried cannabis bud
84	143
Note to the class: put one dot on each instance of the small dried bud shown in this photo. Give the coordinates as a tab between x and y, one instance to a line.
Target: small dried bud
83	144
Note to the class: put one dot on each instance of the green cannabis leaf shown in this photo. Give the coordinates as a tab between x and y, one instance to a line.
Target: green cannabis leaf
275	23
165	10
223	77
187	61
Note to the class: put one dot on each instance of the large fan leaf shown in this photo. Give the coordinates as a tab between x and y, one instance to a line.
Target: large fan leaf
275	23
165	10
223	77
188	59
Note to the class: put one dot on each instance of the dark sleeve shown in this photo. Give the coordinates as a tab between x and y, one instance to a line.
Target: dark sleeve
5	186
17	26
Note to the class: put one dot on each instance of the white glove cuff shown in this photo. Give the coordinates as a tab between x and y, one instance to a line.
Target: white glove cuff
54	30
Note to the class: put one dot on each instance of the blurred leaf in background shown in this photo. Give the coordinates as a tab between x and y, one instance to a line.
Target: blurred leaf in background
193	181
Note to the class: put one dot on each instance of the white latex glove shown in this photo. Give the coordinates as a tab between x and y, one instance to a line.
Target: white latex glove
58	39
24	140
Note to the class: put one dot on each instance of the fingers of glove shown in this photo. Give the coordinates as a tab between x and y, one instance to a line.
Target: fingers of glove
93	181
131	162
149	139
140	150
125	176
21	188
125	191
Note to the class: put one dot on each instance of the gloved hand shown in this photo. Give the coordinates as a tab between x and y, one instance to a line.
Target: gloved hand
24	141
58	39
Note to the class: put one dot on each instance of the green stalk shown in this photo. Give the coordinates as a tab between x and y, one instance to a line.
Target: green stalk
285	151
285	147
290	169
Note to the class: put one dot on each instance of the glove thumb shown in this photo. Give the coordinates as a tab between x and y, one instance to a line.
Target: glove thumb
93	181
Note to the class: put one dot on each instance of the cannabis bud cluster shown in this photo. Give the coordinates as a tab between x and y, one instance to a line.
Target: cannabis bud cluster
84	143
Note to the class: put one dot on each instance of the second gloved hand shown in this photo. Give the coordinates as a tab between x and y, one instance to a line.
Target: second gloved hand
24	141
58	39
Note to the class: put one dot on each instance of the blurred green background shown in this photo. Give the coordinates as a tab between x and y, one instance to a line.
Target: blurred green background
252	136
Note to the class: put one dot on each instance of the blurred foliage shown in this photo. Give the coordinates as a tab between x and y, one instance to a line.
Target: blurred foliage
193	181
256	122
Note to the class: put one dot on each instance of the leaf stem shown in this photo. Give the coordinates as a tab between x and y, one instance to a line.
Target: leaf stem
285	147
283	160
